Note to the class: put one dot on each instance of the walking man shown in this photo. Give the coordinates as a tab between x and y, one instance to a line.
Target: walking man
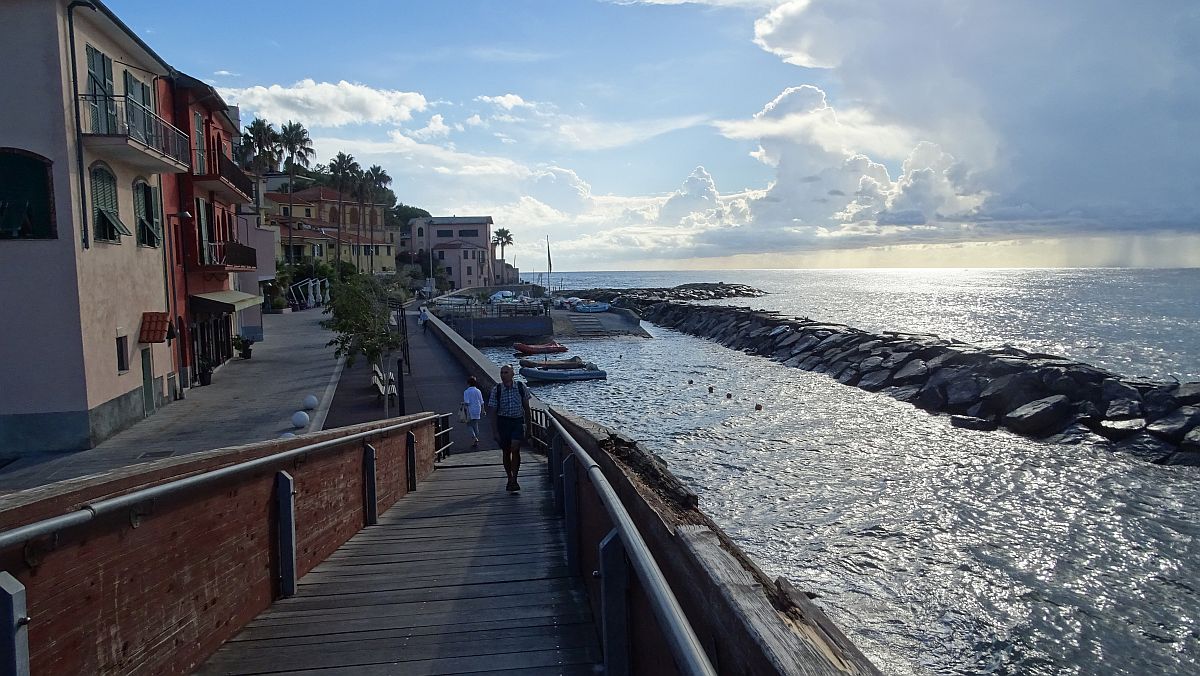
508	403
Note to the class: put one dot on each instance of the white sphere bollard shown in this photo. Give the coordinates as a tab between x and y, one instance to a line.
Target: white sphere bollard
299	419
310	402
287	435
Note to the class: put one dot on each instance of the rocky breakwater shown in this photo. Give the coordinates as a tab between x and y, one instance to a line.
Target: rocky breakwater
1038	395
637	299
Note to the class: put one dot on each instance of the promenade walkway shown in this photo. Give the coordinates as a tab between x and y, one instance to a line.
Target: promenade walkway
458	577
249	400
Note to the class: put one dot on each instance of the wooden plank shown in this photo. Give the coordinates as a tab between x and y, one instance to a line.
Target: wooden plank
455	665
298	637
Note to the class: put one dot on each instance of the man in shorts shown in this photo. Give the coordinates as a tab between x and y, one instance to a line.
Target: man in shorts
508	403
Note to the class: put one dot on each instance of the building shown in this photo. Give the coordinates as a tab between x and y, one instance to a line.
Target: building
210	250
308	223
462	245
84	146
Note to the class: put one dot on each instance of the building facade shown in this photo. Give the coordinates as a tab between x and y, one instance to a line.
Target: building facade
84	145
461	245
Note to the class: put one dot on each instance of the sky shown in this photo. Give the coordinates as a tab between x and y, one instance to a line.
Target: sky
669	134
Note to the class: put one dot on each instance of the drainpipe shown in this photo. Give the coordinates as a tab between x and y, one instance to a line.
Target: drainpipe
83	212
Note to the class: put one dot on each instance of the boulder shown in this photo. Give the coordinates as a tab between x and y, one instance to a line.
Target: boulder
1114	389
896	359
931	399
810	363
871	363
1122	409
1075	434
794	361
1010	392
791	339
1159	402
963	392
905	393
912	371
849	376
1087	413
972	423
1145	445
1121	429
1191	441
1042	416
1188	393
875	380
1182	458
805	345
1175	426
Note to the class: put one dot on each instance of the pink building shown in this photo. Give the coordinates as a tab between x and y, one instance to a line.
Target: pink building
462	245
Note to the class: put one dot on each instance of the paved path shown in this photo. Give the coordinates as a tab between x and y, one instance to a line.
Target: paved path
436	384
458	577
249	400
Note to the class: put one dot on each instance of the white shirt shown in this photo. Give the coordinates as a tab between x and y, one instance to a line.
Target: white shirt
474	401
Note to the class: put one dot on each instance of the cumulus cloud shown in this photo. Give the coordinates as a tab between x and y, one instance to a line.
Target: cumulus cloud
437	127
327	104
226	73
506	101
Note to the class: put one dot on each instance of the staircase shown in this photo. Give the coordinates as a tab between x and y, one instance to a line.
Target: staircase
586	325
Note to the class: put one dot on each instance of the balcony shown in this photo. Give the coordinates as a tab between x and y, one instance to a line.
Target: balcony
126	131
229	183
228	257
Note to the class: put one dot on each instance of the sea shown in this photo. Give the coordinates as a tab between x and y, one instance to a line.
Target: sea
936	550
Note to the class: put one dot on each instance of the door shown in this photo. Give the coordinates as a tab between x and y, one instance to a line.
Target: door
147	381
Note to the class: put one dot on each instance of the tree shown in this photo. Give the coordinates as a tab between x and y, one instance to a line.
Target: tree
297	144
377	181
342	167
359	318
359	189
262	147
502	238
402	213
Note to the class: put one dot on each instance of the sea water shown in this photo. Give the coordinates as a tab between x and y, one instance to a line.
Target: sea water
936	549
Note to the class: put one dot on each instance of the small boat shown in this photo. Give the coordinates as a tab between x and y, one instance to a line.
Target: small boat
572	363
560	375
542	348
591	307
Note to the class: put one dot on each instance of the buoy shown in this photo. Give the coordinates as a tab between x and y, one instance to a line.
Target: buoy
758	407
299	419
729	395
310	402
689	381
711	389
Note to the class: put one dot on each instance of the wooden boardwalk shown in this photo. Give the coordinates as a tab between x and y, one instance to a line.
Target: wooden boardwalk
459	577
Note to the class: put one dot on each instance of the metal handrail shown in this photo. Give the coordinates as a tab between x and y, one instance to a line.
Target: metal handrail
91	511
685	646
118	115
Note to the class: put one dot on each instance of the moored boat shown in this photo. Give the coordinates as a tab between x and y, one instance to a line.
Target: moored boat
560	375
572	363
541	348
591	307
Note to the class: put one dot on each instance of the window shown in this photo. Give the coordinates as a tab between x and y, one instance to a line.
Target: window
333	214
353	215
420	232
317	250
391	237
199	167
102	106
286	211
468	270
26	196
441	255
122	354
139	107
374	218
376	249
466	254
145	214
108	224
468	233
445	233
449	271
307	212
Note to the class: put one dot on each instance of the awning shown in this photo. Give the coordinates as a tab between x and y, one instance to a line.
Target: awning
224	301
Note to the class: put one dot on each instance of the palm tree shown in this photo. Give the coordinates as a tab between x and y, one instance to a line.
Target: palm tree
342	167
502	238
377	181
359	189
262	146
297	145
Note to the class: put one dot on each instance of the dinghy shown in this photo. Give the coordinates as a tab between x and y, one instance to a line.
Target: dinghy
591	307
572	363
542	348
590	372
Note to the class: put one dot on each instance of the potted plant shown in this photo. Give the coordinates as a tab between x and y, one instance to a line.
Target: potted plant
205	371
242	344
276	306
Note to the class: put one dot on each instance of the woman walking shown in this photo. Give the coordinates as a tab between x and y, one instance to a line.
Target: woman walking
473	400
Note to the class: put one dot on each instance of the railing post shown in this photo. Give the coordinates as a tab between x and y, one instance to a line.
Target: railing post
14	647
285	520
400	408
552	455
614	605
370	503
411	460
571	512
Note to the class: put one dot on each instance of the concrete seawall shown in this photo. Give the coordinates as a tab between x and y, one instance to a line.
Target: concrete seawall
1039	395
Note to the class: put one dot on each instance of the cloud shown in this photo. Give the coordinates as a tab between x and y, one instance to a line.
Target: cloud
588	134
326	104
436	127
225	73
474	121
506	101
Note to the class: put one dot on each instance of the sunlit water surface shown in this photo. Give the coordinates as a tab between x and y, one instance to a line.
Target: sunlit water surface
937	550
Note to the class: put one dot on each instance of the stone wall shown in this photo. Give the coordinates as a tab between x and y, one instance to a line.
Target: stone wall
1040	395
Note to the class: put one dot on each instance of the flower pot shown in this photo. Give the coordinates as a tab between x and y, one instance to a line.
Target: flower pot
206	378
245	354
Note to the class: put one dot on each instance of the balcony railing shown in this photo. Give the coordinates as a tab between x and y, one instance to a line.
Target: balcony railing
236	177
111	115
228	254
